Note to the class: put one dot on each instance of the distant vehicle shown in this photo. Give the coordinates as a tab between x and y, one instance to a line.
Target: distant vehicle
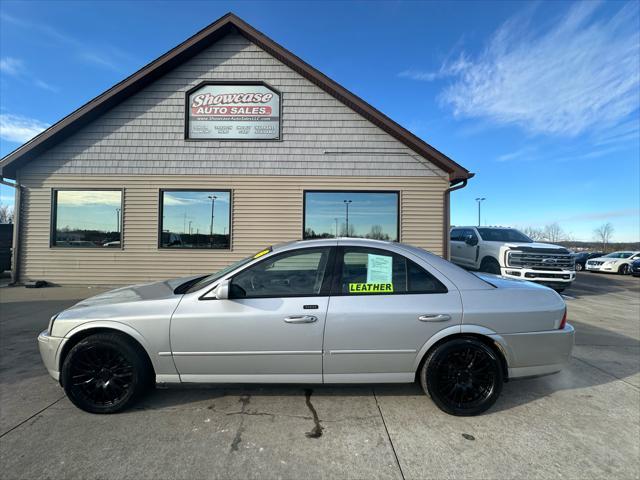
115	243
616	262
635	268
6	243
510	253
582	257
315	311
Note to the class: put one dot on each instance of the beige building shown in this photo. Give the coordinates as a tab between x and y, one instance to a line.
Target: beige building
224	145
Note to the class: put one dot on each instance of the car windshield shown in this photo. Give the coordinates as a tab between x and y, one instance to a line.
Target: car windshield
503	235
203	282
619	255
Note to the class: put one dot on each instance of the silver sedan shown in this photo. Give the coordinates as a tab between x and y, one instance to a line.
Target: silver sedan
321	311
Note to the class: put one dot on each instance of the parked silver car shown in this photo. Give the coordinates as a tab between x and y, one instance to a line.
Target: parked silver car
321	311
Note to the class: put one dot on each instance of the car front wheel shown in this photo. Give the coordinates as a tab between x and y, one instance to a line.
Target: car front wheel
579	267
624	269
105	373
463	377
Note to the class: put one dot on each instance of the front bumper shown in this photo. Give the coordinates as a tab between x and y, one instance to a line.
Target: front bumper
602	268
537	353
563	277
50	348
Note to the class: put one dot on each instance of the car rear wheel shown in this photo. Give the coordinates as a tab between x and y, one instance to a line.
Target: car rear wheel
463	377
105	373
624	269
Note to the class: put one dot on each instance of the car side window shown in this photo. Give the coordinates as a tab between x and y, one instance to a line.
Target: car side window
370	271
456	235
467	232
298	273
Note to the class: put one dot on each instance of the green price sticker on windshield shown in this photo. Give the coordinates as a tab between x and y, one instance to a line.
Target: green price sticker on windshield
370	287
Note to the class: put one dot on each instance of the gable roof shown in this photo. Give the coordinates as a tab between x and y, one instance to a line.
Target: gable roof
191	47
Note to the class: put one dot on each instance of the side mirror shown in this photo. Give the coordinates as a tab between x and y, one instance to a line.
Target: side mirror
222	290
471	240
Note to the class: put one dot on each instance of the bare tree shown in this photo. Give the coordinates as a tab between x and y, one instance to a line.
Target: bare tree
6	214
553	233
603	234
533	233
376	233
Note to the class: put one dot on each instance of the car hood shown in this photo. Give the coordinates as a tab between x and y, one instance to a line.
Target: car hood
608	259
136	293
534	245
503	282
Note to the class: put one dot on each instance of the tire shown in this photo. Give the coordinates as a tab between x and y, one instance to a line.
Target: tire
448	377
490	265
579	267
105	373
624	269
560	290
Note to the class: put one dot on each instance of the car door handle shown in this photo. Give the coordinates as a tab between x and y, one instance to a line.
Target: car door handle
301	319
434	317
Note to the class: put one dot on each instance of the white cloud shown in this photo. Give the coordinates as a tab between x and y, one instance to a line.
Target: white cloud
11	66
581	74
19	129
78	198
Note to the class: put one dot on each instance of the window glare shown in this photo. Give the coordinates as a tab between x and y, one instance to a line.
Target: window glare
370	215
87	218
195	219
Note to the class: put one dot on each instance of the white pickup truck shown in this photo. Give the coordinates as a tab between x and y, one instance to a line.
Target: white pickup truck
510	253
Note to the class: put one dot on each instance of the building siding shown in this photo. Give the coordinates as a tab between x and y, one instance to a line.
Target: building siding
265	210
144	135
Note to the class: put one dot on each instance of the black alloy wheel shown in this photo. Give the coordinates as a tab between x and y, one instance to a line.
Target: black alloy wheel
105	373
463	377
624	269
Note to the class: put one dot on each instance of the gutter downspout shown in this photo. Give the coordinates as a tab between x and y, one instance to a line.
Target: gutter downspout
15	264
446	224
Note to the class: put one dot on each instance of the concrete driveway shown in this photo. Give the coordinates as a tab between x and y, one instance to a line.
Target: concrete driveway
581	423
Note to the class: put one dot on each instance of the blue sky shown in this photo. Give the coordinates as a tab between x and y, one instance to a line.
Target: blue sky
540	100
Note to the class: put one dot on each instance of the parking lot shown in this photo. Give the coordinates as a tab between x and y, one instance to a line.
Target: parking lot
581	423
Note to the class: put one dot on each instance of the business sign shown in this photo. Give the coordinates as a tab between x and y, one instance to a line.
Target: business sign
233	112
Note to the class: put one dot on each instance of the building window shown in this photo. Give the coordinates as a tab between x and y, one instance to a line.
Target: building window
359	214
87	218
195	219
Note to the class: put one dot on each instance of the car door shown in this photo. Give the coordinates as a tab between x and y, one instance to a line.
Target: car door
470	251
384	307
457	243
268	330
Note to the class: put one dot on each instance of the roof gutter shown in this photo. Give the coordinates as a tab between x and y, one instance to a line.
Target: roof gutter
446	222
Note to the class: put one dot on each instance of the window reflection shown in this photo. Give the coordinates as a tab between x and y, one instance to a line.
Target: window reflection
195	219
87	218
351	214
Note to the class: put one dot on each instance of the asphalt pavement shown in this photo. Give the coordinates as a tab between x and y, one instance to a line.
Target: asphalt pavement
581	423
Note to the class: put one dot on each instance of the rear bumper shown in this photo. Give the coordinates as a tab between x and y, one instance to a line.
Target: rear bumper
49	350
537	353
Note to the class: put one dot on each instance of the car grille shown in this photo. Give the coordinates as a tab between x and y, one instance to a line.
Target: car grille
540	261
593	263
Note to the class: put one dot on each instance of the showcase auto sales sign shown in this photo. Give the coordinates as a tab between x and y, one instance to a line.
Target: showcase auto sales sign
234	112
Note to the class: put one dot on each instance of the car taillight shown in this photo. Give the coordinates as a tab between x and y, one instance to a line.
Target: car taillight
563	322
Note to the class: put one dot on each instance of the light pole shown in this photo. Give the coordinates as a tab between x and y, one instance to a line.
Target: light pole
336	227
346	204
118	219
479	200
213	202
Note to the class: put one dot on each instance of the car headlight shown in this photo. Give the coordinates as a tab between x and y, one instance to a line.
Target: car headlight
53	319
